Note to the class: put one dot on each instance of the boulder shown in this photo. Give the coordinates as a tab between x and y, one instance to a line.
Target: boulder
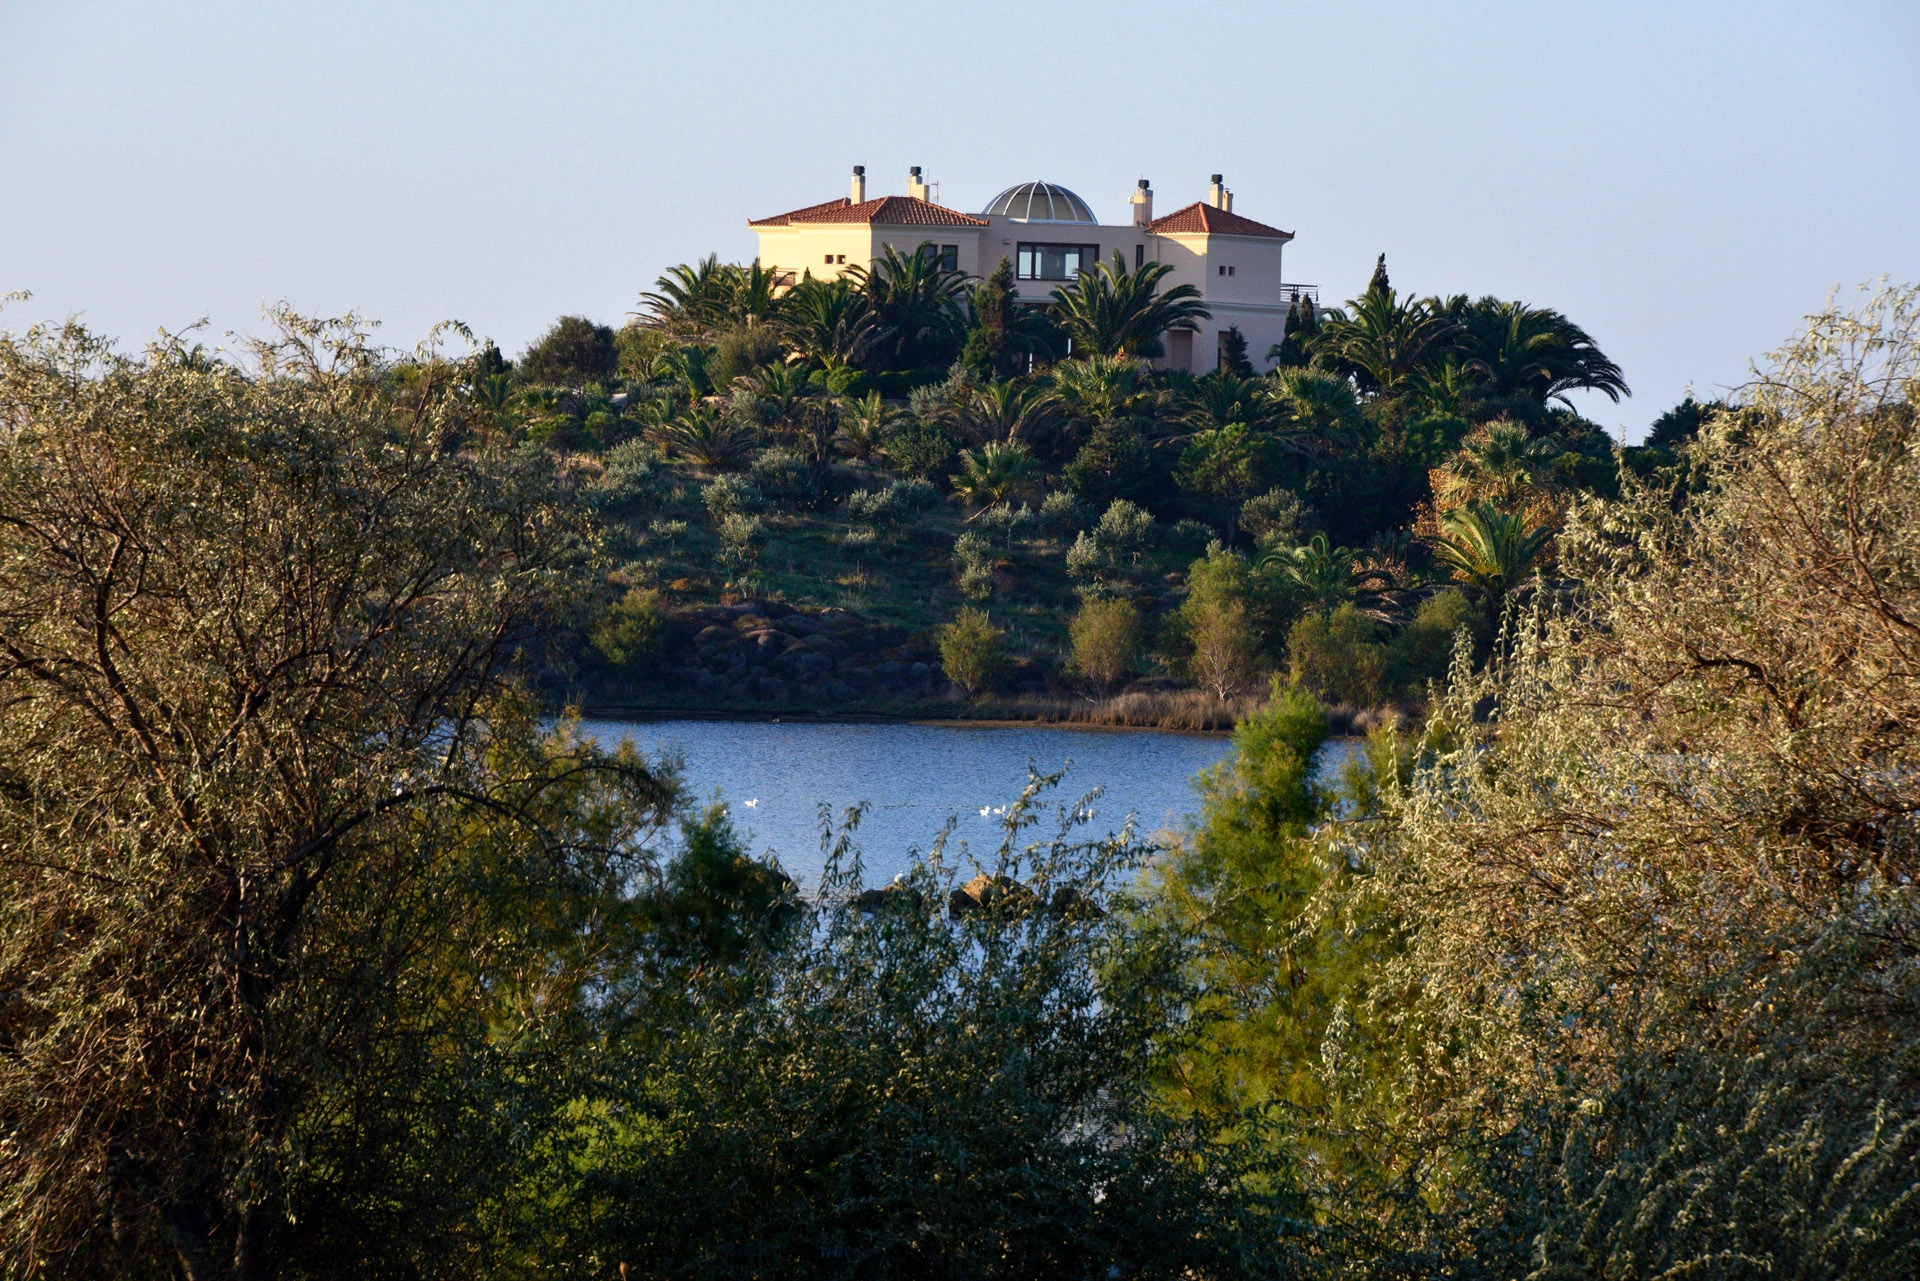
999	891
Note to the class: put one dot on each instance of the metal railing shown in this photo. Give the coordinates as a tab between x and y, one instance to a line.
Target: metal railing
1291	294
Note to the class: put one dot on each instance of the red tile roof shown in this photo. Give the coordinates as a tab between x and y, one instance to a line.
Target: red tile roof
1201	218
888	211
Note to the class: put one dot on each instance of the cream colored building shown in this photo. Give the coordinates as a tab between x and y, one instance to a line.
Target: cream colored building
1049	235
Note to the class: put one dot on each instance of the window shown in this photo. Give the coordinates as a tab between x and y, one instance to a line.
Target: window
829	260
1230	269
950	257
842	258
1222	270
1139	257
1054	262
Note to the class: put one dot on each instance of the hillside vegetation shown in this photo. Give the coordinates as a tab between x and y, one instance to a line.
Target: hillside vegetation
803	491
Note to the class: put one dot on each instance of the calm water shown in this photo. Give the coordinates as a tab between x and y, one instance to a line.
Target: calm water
774	776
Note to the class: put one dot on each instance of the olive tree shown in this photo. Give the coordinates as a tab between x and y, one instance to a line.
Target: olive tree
292	882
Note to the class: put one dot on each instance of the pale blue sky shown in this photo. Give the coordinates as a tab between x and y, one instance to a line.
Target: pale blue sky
1685	180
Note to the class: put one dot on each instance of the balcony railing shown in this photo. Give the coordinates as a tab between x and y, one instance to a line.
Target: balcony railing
1291	294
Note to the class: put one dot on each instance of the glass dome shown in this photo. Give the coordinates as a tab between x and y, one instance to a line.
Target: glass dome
1040	202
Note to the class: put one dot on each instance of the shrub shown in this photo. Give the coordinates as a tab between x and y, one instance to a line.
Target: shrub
1124	531
1422	650
923	449
973	565
914	495
1339	656
1085	561
573	353
970	651
872	507
1277	516
1192	535
1005	522
785	479
1213	636
1106	640
729	496
628	479
1061	514
631	631
740	539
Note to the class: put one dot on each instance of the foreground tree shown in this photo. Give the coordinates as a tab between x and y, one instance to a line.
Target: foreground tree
286	869
1655	874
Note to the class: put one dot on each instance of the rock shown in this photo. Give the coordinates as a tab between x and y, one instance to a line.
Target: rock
894	897
919	673
999	892
800	625
1070	903
715	635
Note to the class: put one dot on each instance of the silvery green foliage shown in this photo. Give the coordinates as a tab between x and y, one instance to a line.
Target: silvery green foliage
873	507
729	496
1005	522
914	495
627	481
1061	513
973	565
784	479
1654	868
1085	560
1124	532
1191	534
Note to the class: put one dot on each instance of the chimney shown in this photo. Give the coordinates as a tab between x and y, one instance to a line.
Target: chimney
1216	193
859	184
916	186
1142	202
1227	201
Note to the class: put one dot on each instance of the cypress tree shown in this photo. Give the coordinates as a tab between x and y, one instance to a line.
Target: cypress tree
1379	283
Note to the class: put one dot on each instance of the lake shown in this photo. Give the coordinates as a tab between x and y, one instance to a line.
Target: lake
774	775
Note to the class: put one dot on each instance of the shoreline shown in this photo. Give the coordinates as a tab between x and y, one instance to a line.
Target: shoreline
643	715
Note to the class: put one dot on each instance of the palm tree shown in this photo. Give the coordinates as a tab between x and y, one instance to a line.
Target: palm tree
916	302
1327	576
1532	351
1387	342
1503	463
705	433
1112	311
1490	549
689	300
866	424
829	322
993	472
1321	406
1005	411
1101	388
1224	399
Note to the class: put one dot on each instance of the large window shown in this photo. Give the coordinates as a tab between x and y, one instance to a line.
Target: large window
1055	262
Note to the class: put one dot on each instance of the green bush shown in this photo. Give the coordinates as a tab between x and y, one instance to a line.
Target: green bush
727	496
785	480
1106	640
971	652
1422	650
924	450
630	633
1339	656
973	565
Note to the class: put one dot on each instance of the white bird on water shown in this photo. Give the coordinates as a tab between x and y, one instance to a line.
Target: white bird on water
750	804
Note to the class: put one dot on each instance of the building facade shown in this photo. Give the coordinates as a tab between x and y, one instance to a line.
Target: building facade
1049	235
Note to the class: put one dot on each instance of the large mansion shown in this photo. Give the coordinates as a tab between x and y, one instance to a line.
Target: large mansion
1049	235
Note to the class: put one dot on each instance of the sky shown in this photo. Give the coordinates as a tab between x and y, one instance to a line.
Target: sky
1684	180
